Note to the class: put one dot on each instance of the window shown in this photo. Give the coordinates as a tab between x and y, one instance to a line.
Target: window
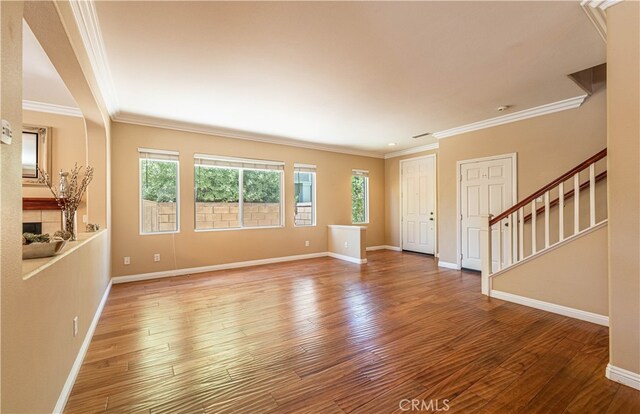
304	179
236	193
360	196
159	191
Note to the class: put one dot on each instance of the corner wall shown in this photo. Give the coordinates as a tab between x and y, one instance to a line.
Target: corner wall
188	248
623	78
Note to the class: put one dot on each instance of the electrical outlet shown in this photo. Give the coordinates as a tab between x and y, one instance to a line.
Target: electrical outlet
75	326
156	257
346	244
306	243
127	260
85	218
7	133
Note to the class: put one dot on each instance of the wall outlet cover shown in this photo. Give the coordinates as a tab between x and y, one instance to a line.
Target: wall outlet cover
7	133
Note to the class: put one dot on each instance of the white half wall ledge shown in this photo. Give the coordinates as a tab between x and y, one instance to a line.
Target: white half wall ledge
624	377
551	307
448	265
354	227
77	364
546	109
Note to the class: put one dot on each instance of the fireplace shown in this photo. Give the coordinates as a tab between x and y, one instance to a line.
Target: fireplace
35	228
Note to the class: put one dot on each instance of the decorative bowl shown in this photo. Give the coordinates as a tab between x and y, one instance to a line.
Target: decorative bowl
38	250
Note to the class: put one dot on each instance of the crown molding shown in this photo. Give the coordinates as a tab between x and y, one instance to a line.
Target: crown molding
51	108
413	150
597	16
600	4
143	120
516	116
84	13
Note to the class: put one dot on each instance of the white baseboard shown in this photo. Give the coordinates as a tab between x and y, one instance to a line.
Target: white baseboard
212	268
77	364
383	247
448	265
551	307
628	378
346	258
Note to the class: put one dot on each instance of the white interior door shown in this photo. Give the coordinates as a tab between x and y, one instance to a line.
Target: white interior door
419	205
486	187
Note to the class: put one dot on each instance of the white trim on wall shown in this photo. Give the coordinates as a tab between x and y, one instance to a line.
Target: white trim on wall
514	163
546	109
346	258
628	378
77	364
551	307
435	200
448	265
51	108
384	247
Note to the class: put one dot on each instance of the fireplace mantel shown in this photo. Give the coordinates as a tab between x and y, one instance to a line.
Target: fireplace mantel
39	203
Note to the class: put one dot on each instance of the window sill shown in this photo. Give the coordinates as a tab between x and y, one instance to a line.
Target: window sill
237	228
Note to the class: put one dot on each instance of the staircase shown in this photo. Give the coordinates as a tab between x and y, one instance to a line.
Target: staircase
568	207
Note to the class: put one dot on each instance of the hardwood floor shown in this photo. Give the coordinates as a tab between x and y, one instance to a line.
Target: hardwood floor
326	336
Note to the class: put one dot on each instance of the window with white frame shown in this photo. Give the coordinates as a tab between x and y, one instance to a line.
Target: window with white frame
234	193
360	196
304	179
159	191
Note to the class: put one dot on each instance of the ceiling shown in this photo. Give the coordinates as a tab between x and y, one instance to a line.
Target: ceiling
352	75
40	80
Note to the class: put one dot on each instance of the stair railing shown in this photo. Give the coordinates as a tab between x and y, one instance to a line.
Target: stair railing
503	236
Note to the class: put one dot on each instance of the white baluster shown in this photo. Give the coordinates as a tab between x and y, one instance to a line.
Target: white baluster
576	203
534	246
514	237
521	233
561	212
500	248
546	219
592	195
509	242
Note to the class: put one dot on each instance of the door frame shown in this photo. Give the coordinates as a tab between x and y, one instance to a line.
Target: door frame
513	157
435	199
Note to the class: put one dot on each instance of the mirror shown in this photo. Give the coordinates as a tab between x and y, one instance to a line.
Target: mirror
36	152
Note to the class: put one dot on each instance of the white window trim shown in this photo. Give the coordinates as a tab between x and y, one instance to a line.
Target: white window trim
140	214
240	193
366	196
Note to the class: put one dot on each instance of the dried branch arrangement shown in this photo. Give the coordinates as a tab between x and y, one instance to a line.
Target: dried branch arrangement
69	197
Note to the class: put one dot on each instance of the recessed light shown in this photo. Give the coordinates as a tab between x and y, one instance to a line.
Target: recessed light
392	144
503	108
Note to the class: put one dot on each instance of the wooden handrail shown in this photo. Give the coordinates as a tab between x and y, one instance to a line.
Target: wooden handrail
567	195
585	164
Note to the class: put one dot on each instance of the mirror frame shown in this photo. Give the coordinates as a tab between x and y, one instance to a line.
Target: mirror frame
44	152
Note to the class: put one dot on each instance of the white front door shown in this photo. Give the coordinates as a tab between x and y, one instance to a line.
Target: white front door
419	204
486	187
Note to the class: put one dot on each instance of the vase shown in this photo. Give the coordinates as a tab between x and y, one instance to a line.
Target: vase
69	223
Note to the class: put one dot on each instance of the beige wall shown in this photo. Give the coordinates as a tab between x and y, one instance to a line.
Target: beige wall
355	238
573	275
392	202
546	146
194	249
11	167
623	56
68	147
40	348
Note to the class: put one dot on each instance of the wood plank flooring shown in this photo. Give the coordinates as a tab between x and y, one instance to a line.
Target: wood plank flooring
327	336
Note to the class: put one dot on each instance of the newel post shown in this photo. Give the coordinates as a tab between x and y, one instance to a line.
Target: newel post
485	253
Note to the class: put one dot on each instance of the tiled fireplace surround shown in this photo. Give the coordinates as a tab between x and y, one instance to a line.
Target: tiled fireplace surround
51	219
